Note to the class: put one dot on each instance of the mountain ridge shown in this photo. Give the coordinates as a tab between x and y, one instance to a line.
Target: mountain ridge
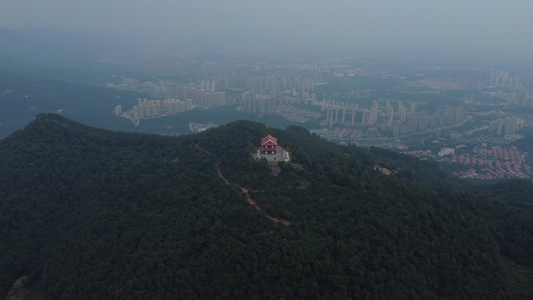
104	214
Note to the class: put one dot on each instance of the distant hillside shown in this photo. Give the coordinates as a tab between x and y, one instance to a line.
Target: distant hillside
57	55
25	48
95	214
84	43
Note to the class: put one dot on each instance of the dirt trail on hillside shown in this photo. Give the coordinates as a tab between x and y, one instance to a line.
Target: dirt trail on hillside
218	166
244	190
254	204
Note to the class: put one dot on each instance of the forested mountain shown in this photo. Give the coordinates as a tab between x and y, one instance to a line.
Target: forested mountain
87	213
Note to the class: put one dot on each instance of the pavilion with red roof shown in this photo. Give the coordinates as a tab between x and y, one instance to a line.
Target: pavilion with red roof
270	150
269	145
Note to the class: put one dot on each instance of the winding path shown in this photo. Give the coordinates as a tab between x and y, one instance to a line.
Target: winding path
244	190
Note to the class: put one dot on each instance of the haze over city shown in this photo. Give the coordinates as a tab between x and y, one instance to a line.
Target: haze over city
488	29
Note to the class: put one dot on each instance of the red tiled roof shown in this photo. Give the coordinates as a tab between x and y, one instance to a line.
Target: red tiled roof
269	140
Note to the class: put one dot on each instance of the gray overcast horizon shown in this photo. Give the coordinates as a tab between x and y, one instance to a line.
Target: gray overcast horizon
469	27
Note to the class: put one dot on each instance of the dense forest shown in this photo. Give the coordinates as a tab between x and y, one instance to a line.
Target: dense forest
87	213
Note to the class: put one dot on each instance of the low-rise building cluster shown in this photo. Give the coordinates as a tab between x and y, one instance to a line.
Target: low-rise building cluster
493	163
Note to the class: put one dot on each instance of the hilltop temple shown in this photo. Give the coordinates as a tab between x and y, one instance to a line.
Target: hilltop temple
271	151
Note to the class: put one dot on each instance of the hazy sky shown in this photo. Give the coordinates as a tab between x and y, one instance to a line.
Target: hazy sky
457	26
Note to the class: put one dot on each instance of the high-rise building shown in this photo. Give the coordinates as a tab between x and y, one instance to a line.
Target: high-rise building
402	112
389	112
374	113
459	114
